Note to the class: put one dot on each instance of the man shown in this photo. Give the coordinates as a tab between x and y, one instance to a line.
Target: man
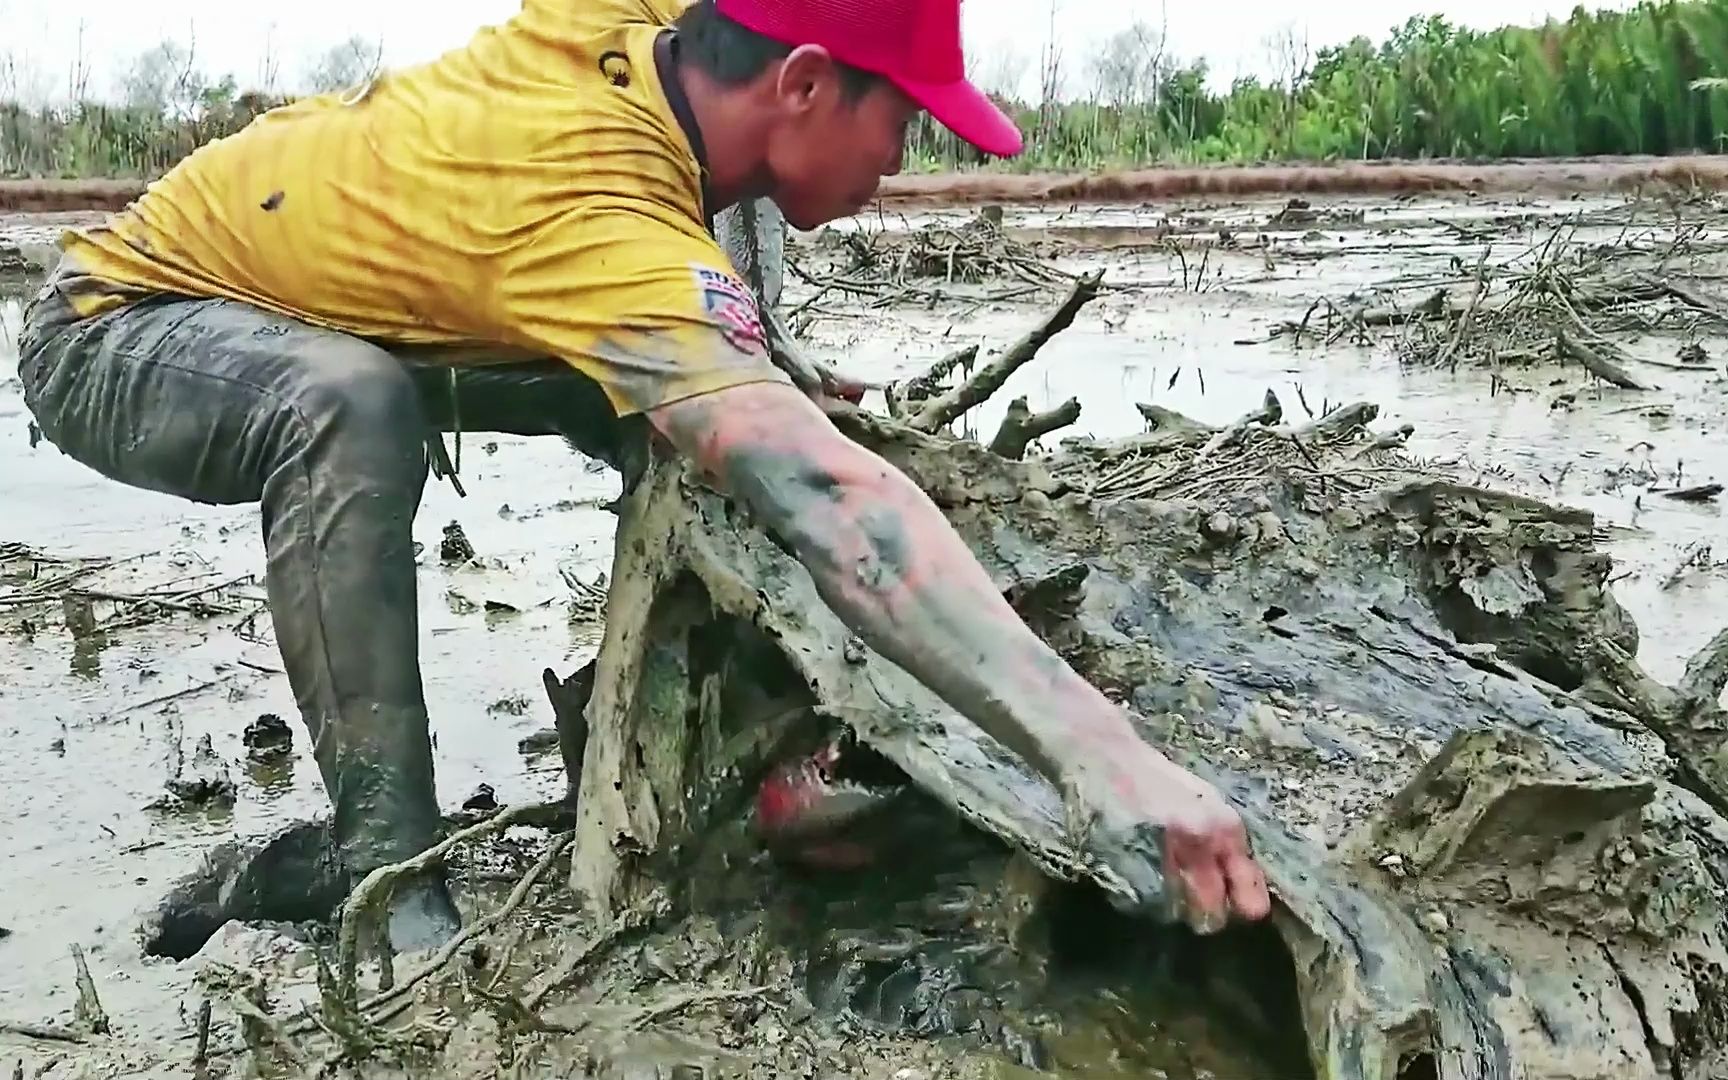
514	238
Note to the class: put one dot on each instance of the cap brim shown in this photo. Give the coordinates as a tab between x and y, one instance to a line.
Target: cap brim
965	110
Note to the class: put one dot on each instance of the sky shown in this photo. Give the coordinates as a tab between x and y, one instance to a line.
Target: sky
44	37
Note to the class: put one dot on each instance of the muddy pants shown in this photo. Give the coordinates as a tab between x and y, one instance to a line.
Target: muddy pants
220	402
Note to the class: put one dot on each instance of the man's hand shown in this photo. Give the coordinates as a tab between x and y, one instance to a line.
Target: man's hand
1174	838
888	563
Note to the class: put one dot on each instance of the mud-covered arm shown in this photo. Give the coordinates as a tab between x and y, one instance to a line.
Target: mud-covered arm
893	569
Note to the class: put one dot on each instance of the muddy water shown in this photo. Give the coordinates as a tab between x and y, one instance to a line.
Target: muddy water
1183	348
92	737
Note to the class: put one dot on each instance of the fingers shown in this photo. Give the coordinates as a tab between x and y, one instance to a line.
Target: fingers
1216	876
1249	897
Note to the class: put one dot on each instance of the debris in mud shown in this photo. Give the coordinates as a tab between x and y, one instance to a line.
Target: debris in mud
890	265
1556	299
514	705
1695	493
542	741
455	548
587	599
269	735
484	799
1300	213
205	780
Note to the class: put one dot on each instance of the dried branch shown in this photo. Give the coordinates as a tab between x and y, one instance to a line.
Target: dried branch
974	391
375	890
1271	411
1566	344
1021	426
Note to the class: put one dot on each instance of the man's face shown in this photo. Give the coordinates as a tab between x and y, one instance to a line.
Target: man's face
828	152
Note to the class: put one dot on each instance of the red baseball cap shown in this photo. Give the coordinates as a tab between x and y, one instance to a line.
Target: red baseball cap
915	44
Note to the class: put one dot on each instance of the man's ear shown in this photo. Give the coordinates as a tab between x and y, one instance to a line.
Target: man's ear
804	76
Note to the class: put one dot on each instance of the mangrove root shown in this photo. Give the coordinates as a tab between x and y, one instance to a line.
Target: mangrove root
1404	663
1021	426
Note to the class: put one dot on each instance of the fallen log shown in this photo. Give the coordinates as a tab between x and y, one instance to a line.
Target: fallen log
1493	839
1451	847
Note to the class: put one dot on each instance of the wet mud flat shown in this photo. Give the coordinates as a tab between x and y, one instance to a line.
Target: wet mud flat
862	974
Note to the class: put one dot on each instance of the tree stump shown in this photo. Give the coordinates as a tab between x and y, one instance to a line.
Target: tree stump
1497	846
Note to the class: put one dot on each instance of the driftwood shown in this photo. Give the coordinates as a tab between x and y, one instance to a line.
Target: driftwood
949	407
1497	845
1572	346
1021	426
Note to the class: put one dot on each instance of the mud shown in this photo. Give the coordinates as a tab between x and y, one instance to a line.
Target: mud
97	747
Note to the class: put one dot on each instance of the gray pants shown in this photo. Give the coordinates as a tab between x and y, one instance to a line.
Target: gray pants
223	403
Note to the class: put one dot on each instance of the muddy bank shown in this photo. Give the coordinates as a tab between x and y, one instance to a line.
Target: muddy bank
1558	176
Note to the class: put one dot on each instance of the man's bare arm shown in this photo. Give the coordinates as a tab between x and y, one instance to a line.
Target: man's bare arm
889	564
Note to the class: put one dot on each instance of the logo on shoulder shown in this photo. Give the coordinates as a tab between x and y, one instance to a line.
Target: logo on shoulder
729	302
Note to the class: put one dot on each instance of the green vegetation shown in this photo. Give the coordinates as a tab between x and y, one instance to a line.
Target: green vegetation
1650	80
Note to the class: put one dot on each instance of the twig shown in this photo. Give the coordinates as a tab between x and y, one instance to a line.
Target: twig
483	926
270	1027
630	922
88	1011
945	409
1462	329
161	699
376	887
650	1014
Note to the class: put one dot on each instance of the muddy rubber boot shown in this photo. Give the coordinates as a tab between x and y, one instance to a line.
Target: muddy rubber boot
422	916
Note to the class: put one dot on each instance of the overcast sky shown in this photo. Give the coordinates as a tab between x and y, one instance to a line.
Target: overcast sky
44	35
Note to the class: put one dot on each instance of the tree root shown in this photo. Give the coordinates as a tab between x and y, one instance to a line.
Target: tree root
1021	426
374	891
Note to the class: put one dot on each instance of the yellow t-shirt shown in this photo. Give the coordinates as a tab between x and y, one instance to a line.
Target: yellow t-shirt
531	194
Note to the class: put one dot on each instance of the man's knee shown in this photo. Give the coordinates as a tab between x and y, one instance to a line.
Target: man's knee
357	399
